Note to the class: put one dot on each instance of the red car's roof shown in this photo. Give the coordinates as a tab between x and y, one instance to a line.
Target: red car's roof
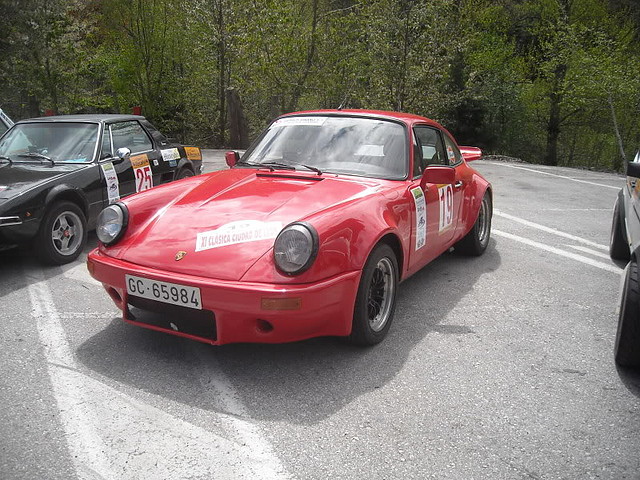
407	118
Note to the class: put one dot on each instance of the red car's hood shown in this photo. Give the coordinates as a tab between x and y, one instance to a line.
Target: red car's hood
226	223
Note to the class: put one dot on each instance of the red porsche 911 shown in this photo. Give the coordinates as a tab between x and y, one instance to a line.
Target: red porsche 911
307	234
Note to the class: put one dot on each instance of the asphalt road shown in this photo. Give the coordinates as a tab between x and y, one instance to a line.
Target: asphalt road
498	367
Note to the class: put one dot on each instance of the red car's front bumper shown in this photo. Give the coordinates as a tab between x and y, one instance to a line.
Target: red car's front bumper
238	311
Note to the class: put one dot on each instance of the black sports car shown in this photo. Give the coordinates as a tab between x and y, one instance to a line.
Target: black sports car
58	173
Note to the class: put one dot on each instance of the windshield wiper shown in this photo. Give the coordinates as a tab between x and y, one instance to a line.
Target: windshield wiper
37	155
315	169
2	157
273	165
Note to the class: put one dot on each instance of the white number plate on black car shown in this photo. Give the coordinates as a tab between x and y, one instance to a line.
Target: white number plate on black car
164	292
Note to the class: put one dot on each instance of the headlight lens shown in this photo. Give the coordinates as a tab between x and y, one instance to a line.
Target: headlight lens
295	248
111	224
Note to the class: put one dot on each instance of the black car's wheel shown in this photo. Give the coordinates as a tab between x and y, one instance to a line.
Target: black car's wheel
62	234
184	173
627	346
618	244
475	242
376	298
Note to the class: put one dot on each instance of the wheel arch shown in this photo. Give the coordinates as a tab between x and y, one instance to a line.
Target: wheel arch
70	194
392	240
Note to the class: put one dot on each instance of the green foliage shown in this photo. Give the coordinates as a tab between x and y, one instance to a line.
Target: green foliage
552	81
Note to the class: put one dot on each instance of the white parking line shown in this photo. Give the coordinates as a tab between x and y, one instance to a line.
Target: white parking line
544	228
557	251
589	251
554	175
112	435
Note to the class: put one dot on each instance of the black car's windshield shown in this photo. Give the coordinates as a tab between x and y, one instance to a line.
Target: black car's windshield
344	145
58	142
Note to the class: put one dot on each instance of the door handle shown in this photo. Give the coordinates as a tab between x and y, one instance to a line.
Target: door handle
458	184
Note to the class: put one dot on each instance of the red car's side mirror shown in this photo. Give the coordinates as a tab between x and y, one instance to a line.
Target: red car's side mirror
438	175
231	158
471	153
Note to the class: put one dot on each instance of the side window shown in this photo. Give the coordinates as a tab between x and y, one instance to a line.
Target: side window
453	153
428	149
130	135
157	136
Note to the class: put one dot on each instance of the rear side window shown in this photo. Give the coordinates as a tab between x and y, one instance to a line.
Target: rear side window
428	149
130	135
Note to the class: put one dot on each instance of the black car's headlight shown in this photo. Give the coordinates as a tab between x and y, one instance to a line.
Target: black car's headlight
295	248
112	223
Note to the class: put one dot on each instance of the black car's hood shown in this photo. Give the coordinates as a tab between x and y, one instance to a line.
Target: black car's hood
19	177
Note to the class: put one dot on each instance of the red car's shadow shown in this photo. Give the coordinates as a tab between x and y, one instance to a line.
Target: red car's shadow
303	382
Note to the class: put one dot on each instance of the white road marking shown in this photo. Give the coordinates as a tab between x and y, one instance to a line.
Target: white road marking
112	435
589	251
554	175
85	445
544	228
211	376
557	251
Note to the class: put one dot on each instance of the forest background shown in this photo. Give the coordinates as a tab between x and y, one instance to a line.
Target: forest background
548	81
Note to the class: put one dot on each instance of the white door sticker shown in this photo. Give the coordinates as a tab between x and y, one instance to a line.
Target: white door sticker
142	172
445	195
421	217
111	177
170	154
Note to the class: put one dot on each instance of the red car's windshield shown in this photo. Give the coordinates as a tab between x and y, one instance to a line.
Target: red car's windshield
344	145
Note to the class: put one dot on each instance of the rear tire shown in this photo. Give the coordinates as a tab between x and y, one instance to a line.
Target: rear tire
627	346
376	297
618	244
476	241
62	235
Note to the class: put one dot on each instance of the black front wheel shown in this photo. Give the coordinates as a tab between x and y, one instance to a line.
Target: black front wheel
376	298
62	234
627	346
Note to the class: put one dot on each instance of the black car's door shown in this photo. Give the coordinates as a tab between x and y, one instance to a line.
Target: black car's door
135	173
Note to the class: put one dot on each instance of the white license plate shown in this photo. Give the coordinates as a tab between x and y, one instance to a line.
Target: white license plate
164	292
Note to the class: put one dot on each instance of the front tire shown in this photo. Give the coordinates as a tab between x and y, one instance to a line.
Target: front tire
476	241
62	235
618	244
627	346
376	297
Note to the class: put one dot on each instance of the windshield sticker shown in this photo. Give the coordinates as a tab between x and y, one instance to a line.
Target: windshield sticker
370	150
445	195
142	172
421	217
110	176
170	154
293	121
237	232
193	153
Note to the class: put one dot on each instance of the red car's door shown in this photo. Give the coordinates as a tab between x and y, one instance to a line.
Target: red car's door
433	222
459	188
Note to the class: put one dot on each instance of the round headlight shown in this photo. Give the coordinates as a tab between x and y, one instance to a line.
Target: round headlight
112	222
295	248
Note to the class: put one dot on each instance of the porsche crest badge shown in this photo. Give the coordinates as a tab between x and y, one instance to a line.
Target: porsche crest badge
180	255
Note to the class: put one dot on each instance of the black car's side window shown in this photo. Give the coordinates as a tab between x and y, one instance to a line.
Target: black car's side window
130	135
428	149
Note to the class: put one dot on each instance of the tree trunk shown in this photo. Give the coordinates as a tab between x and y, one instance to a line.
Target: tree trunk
555	120
238	127
623	158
